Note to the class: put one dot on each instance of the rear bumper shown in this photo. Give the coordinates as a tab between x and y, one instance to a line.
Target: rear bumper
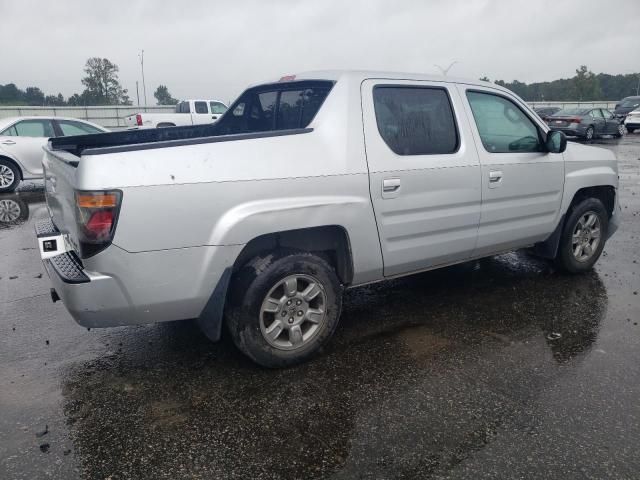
577	131
117	287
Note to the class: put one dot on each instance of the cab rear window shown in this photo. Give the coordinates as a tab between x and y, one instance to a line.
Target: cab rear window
282	106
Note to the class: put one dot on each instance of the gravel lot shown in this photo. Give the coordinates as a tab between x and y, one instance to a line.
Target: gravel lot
450	374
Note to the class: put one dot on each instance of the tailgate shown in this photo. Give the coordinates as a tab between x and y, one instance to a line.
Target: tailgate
60	170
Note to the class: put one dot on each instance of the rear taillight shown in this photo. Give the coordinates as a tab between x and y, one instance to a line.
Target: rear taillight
574	120
138	119
96	216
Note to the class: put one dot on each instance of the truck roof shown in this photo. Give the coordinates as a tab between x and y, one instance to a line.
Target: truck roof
361	75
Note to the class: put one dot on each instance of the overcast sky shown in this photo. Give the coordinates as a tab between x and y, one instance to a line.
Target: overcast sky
214	48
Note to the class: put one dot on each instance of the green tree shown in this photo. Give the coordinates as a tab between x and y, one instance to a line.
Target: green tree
102	84
33	96
484	79
163	96
586	84
55	100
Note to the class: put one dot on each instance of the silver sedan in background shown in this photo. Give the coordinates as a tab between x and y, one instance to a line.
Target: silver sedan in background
21	142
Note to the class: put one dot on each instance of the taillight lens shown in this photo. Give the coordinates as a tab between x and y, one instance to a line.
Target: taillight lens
138	119
96	216
575	120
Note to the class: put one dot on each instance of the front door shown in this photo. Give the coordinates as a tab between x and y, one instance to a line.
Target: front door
599	124
424	173
24	142
522	183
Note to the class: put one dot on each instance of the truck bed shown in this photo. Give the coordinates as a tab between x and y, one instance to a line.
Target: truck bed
79	143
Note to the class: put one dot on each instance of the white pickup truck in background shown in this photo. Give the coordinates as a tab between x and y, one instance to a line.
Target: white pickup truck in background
188	112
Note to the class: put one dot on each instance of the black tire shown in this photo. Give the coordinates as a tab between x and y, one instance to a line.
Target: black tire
630	130
565	258
586	133
249	288
619	133
16	176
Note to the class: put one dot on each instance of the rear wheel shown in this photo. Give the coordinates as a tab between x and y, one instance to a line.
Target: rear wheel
283	307
589	133
9	176
583	236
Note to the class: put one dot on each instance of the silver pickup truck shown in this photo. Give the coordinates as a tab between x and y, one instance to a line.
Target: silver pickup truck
307	186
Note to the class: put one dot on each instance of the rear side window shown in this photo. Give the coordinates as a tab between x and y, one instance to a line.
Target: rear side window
596	113
201	107
415	120
283	106
183	107
70	128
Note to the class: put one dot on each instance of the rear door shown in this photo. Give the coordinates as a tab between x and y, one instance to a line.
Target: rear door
201	113
599	124
24	141
522	184
424	173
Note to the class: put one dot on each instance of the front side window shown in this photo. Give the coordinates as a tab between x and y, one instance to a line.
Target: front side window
201	107
70	128
502	125
283	106
34	128
415	120
217	108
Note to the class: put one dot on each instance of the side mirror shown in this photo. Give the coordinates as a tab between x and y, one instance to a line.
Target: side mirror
556	142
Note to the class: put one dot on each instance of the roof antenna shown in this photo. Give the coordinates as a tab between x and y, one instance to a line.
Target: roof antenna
446	70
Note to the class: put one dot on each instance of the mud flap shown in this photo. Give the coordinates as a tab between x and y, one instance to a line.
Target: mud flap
549	248
210	320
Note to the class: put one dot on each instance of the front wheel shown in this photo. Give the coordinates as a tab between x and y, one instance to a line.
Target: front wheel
9	176
583	236
631	130
283	307
621	131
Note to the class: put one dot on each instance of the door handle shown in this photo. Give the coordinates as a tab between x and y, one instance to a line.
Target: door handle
8	142
495	177
390	185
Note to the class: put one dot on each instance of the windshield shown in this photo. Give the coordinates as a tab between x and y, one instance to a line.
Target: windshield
571	111
631	102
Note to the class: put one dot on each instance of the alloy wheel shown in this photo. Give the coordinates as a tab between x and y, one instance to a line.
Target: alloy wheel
7	177
586	236
293	312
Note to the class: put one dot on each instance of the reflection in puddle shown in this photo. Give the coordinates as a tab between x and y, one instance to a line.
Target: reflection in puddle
14	207
422	372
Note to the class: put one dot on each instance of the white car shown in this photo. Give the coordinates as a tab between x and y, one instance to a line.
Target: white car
188	112
632	121
21	142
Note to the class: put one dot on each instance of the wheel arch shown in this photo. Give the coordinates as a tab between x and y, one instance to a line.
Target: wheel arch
15	163
329	241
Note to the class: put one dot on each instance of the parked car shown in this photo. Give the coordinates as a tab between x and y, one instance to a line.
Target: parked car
545	112
626	105
307	186
188	112
587	123
632	121
22	140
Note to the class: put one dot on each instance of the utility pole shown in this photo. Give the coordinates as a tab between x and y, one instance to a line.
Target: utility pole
144	87
446	70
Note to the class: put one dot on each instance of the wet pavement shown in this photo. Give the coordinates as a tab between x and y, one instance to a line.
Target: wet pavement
500	368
